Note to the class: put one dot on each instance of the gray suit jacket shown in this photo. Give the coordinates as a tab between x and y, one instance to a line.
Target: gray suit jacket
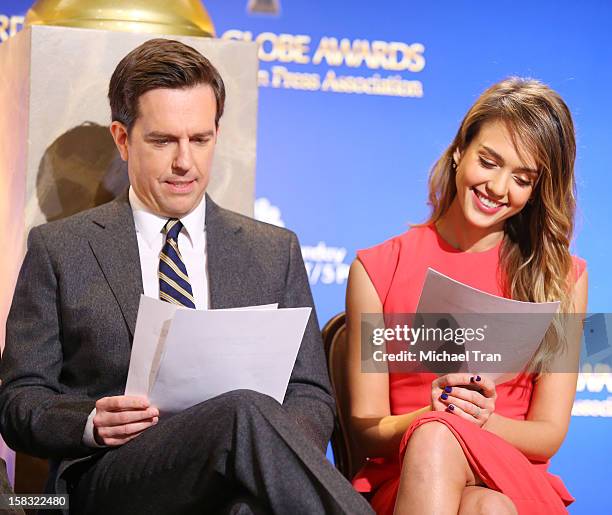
71	324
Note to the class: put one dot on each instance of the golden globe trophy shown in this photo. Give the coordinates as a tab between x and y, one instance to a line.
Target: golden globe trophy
184	17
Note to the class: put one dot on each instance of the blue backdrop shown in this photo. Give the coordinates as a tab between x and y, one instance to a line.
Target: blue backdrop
347	169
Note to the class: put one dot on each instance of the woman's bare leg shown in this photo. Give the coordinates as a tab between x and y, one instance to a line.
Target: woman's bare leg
478	500
434	474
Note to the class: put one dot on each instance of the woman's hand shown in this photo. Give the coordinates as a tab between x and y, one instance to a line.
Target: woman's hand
471	397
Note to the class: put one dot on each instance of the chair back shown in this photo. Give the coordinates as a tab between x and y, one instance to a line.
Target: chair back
336	346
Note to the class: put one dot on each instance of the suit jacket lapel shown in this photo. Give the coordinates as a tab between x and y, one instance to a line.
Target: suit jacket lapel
224	262
113	241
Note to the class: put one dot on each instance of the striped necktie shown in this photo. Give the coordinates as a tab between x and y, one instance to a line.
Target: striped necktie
174	283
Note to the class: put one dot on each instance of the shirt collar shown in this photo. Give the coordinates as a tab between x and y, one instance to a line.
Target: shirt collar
150	224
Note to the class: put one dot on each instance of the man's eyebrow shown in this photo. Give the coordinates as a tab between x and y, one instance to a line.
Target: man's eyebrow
160	135
499	158
206	134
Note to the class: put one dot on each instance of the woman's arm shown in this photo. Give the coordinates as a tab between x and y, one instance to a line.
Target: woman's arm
375	432
543	432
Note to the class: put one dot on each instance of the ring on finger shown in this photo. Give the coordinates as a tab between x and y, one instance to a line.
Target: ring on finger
477	414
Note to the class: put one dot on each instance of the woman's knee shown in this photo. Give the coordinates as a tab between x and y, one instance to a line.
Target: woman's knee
482	501
433	451
431	438
428	445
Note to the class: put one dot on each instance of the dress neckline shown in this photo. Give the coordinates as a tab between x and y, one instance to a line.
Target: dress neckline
447	247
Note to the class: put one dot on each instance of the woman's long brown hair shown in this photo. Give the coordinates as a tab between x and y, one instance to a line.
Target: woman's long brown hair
535	261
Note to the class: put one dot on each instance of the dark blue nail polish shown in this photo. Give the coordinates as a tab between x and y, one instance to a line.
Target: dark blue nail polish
444	396
451	407
472	379
448	389
478	378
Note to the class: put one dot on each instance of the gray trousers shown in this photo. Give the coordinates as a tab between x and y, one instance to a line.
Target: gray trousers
239	453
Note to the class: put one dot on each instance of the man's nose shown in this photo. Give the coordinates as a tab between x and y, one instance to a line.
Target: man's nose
183	160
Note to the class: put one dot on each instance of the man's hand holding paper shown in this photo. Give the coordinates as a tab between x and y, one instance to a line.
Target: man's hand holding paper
121	418
182	357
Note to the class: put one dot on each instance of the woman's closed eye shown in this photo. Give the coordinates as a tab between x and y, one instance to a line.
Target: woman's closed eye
523	182
487	163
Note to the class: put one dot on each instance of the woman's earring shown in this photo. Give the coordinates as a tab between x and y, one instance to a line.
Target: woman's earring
454	165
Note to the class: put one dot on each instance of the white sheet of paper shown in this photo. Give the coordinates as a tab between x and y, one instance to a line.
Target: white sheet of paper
152	324
208	353
522	333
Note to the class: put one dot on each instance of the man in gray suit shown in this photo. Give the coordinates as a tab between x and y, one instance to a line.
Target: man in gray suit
71	325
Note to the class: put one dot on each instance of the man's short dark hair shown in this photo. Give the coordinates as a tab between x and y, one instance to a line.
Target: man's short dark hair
160	63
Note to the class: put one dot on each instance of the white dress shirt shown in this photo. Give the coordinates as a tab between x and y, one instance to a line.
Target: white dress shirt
150	238
191	243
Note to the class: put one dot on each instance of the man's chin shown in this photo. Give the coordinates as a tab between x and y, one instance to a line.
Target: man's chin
177	209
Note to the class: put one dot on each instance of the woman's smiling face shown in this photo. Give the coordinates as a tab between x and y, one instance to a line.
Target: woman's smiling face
493	181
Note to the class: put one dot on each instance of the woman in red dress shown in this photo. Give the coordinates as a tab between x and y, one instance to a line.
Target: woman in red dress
503	203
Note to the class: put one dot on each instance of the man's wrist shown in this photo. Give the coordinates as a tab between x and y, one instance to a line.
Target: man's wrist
90	434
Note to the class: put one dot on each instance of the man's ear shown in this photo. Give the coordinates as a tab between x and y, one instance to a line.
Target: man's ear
120	135
456	157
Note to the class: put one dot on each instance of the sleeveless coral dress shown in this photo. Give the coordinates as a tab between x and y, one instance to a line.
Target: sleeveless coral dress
397	268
